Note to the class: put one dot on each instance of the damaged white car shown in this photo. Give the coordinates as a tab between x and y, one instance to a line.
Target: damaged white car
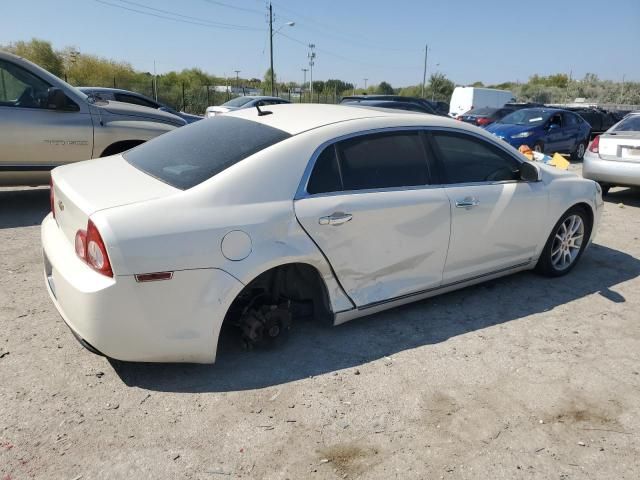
260	217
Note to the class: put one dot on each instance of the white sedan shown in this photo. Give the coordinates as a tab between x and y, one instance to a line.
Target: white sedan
259	217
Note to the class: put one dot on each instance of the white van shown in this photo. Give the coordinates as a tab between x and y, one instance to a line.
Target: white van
464	99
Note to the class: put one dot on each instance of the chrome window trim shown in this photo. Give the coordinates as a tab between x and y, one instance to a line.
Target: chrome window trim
301	192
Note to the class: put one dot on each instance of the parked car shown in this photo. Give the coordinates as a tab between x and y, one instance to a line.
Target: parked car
464	99
134	98
247	101
599	119
484	116
407	106
45	122
613	158
423	105
547	130
258	220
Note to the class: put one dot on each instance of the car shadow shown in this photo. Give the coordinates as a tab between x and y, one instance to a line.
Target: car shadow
624	196
314	349
24	207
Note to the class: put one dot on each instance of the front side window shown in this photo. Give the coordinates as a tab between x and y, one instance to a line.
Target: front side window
384	160
20	88
192	154
466	159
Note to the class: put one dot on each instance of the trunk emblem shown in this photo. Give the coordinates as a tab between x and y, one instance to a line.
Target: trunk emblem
61	205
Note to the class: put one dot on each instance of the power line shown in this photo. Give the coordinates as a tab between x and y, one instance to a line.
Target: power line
180	18
366	43
234	7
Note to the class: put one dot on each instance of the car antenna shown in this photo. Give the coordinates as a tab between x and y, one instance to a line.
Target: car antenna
262	112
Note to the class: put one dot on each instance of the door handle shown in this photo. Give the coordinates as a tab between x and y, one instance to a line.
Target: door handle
467	202
337	218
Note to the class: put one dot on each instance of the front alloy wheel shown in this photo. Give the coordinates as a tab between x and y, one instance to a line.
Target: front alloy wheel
566	243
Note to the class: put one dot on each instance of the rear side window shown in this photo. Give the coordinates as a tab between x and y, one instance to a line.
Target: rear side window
192	154
366	162
383	161
466	159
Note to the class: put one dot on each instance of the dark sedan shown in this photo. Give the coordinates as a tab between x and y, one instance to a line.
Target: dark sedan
134	98
484	116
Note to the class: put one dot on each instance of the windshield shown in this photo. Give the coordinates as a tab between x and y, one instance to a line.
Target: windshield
237	102
190	155
529	116
629	124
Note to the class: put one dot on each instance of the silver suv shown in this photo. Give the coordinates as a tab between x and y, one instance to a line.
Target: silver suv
45	122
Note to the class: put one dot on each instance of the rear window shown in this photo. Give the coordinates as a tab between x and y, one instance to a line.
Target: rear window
629	124
190	155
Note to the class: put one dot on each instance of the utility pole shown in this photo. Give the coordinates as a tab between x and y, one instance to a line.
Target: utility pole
237	80
312	57
271	43
155	82
424	74
622	90
304	83
365	84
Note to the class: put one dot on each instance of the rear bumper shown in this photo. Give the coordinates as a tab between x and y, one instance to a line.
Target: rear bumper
176	320
611	171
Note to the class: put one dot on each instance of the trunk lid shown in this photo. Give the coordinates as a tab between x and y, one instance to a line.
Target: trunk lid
620	146
83	188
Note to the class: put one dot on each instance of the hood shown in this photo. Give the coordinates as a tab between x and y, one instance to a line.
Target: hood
128	109
507	130
216	110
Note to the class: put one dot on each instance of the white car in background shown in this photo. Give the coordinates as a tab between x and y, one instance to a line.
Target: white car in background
246	101
613	158
259	217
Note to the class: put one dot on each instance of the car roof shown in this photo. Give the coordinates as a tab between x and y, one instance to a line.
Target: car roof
107	89
295	118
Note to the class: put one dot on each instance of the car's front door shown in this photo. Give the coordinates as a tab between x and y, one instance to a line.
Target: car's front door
33	135
556	138
369	206
495	216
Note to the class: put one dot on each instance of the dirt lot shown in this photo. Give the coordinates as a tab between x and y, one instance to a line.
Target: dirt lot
523	377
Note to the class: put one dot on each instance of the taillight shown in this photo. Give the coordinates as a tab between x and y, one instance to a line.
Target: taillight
81	244
595	145
51	198
90	248
483	121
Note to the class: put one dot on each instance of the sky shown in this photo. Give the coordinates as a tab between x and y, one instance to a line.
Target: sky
490	41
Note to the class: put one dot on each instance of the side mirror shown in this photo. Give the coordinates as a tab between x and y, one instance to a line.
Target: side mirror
56	99
529	172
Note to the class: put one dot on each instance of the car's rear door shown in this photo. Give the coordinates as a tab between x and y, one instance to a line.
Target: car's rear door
495	217
369	205
571	130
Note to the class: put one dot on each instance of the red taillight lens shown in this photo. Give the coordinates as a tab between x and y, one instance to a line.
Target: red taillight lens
52	199
81	244
595	145
90	248
483	121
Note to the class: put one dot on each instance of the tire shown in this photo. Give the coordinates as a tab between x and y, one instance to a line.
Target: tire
605	188
563	249
538	147
578	154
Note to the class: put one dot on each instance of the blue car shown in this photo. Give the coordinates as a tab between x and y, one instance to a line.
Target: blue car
547	130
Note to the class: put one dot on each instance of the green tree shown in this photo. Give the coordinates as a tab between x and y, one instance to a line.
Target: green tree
39	52
384	88
266	83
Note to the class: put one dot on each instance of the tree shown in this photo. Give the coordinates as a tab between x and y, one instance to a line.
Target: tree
477	84
384	88
39	52
266	83
440	87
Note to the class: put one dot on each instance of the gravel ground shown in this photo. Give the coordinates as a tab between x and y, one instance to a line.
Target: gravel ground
523	377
